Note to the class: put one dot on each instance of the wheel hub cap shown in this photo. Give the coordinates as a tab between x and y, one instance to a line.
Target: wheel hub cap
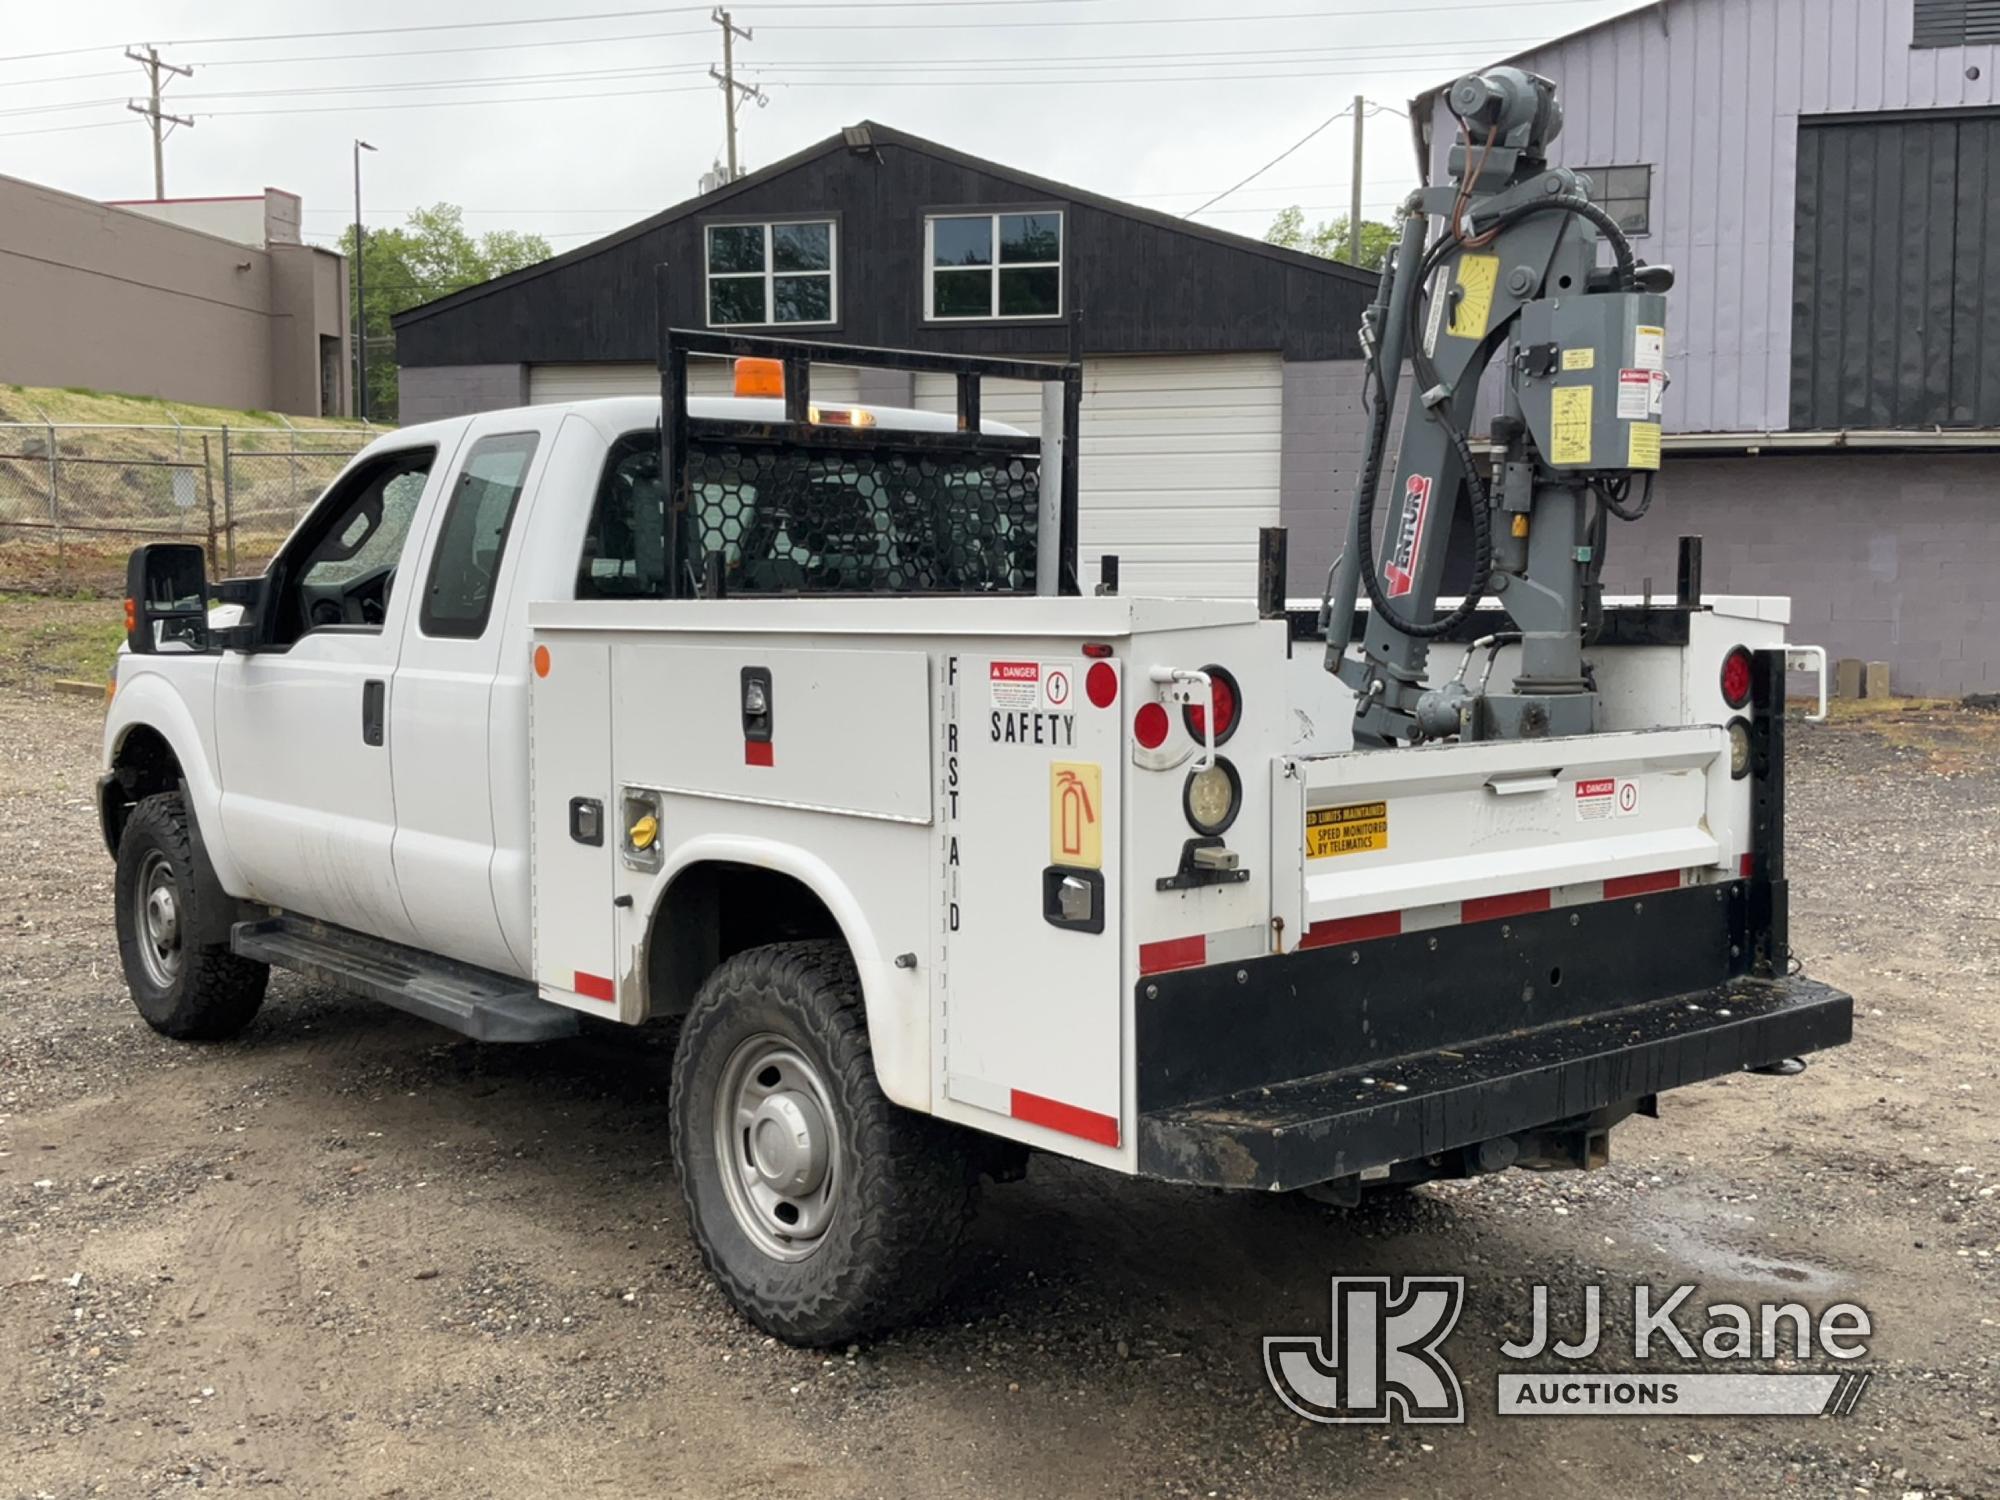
777	1147
159	921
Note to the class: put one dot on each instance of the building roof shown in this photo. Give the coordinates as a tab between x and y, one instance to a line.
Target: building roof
884	135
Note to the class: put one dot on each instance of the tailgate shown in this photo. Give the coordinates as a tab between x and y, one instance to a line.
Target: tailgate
1490	827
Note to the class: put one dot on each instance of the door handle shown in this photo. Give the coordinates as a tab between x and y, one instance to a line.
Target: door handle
374	693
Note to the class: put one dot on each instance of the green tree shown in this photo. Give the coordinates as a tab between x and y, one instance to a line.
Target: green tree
1330	238
430	256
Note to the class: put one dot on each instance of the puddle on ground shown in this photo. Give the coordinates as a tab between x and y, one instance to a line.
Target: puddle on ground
1706	1239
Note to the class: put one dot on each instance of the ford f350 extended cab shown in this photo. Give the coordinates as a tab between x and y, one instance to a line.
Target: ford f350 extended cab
795	724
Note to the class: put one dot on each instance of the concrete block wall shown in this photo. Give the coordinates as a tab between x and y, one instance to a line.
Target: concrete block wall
1886	557
426	393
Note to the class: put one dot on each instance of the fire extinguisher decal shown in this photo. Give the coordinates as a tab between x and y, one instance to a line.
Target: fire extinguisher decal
1076	828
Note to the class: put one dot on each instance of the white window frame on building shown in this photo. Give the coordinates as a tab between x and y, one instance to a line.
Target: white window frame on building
994	267
771	274
1601	182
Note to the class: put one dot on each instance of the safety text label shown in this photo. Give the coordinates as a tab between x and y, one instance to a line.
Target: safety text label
1358	828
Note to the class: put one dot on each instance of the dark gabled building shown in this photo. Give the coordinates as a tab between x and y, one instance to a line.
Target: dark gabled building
1219	370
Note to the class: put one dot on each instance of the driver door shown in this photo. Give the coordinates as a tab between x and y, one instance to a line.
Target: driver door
301	722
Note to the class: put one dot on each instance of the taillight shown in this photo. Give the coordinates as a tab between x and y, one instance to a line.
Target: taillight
1100	684
1736	677
1150	725
1212	798
1228	707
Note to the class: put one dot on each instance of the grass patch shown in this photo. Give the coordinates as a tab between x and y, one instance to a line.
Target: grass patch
1954	736
44	638
31	403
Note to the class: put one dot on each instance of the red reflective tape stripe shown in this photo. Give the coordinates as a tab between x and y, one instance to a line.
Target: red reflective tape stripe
1353	929
1086	1123
756	752
1487	908
1747	866
1173	953
595	986
1639	885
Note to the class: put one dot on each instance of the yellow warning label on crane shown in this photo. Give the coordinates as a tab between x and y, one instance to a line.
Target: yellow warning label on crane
1569	423
1643	446
1359	828
1473	310
1579	359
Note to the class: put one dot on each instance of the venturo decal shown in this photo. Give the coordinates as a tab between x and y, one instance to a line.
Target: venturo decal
1402	566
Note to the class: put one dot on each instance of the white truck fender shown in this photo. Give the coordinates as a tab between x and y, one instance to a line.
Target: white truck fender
897	1000
148	699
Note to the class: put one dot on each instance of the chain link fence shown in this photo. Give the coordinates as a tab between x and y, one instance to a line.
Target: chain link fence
75	498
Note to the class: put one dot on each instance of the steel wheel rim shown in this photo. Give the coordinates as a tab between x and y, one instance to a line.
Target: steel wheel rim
777	1147
157	920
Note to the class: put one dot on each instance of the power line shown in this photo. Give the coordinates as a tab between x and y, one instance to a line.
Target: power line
333	109
418	85
1323	124
608	15
1365	13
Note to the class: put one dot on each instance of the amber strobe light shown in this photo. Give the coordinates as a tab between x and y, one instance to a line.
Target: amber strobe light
760	377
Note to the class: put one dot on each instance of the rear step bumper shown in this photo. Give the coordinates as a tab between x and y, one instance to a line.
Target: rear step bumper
474	1002
1335	1125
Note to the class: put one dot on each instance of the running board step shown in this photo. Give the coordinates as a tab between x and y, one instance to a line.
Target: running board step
474	1002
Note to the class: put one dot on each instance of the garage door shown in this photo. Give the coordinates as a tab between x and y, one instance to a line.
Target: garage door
1179	465
706	377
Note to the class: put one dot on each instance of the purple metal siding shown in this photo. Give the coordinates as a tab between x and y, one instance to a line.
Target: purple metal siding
1709	93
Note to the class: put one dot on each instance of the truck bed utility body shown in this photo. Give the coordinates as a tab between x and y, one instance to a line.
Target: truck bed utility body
798	723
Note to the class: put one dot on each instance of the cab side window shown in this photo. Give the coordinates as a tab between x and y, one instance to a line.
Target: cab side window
465	568
340	569
624	551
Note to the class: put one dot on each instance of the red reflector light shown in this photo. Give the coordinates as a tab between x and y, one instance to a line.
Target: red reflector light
1736	677
1150	725
1095	649
1228	706
1101	683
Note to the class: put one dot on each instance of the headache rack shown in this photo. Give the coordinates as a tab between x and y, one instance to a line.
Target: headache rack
799	506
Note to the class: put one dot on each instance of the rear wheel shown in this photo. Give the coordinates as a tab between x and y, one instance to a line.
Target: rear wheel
185	982
822	1210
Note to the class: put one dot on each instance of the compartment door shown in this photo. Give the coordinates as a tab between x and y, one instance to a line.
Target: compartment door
572	824
1031	1024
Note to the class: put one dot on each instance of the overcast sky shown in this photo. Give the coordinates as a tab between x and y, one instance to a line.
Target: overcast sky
574	127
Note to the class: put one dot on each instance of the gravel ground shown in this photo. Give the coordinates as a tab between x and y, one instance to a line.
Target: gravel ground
350	1254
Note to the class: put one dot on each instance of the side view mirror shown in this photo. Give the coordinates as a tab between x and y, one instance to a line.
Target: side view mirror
166	599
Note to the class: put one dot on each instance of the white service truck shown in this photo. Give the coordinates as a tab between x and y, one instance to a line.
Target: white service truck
793	723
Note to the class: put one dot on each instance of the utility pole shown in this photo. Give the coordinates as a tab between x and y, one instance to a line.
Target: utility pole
732	91
360	295
151	62
1354	205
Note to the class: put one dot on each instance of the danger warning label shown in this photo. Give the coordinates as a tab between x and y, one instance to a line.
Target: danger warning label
1017	684
1606	797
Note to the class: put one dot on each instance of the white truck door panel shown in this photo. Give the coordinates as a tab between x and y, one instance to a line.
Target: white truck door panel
308	805
438	740
575	923
1032	1012
849	731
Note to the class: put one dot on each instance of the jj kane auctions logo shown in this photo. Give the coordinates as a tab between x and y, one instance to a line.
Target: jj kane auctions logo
1384	1359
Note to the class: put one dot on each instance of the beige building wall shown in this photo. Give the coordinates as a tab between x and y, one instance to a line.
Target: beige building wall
98	296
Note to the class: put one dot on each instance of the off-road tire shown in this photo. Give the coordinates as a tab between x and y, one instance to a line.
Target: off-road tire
213	994
910	1183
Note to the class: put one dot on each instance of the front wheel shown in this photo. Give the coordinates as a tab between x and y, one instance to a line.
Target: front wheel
184	983
823	1211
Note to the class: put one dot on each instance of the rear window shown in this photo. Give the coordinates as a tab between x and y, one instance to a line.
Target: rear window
801	520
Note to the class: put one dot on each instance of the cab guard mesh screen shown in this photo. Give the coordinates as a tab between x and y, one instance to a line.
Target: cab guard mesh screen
793	519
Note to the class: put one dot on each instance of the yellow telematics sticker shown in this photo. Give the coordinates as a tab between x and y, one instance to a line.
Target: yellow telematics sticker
1076	814
1643	447
1579	359
1477	276
1357	828
1569	417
